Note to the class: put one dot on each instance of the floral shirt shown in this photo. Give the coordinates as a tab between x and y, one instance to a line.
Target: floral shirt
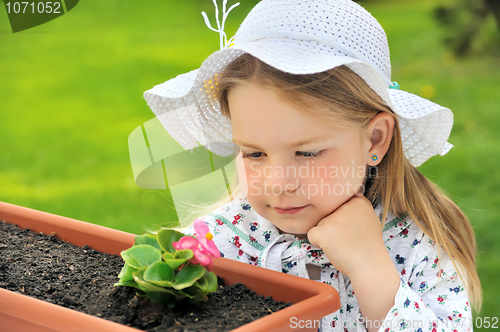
431	296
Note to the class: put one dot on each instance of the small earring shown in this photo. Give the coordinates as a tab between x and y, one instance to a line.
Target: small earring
374	157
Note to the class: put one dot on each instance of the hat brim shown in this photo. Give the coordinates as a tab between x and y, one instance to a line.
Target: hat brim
186	107
425	126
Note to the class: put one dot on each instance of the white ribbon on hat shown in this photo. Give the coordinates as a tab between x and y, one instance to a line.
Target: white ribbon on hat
224	43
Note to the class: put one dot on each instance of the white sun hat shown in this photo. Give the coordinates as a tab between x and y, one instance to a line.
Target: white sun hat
298	37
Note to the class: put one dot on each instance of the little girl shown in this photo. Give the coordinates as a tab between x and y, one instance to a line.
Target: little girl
327	154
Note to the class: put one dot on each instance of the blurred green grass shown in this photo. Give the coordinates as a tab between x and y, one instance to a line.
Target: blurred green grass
71	93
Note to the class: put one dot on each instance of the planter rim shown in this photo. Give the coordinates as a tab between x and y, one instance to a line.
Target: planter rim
311	298
109	241
11	303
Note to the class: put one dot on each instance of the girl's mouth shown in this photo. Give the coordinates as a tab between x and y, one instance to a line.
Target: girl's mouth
290	211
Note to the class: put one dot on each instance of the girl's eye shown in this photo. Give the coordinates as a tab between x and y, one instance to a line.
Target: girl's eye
250	155
311	154
256	155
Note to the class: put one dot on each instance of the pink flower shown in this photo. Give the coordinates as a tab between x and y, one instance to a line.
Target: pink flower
205	237
202	246
199	257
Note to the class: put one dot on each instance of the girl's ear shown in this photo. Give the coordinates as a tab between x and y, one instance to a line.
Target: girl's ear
379	132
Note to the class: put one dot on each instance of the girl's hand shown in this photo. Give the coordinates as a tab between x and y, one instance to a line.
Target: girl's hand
351	237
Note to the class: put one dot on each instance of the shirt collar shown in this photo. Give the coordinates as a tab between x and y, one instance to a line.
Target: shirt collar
252	233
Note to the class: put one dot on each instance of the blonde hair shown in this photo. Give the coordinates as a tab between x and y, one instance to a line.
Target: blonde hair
399	185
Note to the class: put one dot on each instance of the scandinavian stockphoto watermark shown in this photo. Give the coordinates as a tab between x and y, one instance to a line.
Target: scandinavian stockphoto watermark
388	325
309	180
160	163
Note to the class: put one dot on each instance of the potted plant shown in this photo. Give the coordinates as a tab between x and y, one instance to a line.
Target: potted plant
311	300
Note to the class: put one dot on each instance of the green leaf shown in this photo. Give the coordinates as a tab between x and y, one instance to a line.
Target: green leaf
160	274
183	254
188	276
167	255
175	263
149	239
165	238
191	291
141	256
195	294
148	287
163	298
126	273
178	258
208	282
123	271
129	283
159	294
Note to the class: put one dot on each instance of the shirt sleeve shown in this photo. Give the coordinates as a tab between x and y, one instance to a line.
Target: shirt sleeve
433	299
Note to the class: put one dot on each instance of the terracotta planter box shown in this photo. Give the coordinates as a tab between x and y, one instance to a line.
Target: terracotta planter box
311	300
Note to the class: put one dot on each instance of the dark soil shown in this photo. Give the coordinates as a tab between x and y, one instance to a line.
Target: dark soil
82	279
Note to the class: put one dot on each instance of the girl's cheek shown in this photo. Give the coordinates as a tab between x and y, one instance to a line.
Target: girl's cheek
253	180
245	174
251	173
